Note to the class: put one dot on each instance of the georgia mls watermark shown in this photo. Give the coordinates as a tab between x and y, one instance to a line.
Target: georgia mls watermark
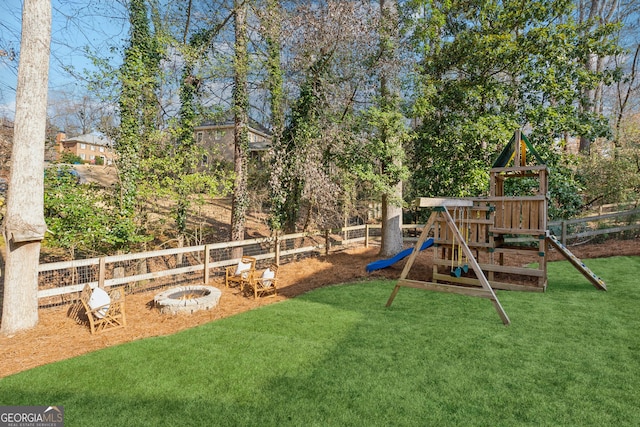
31	416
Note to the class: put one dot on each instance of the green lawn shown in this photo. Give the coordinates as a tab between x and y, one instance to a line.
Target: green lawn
338	357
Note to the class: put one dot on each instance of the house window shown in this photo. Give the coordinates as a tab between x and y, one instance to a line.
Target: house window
93	148
205	159
199	136
83	146
102	149
82	156
218	135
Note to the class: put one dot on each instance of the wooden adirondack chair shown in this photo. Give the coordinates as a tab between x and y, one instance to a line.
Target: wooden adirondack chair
265	283
103	310
238	275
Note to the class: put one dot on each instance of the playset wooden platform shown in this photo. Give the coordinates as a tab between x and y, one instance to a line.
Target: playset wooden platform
494	242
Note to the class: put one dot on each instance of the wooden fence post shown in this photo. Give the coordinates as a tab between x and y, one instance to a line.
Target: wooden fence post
277	248
101	272
366	235
345	232
327	242
206	264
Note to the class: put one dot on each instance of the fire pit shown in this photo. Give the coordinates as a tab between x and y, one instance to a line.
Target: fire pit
187	299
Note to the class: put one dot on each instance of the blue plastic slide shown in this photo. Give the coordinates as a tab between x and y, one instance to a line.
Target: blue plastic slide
384	263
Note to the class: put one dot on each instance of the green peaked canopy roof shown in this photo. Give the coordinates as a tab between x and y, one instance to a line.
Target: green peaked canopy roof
507	153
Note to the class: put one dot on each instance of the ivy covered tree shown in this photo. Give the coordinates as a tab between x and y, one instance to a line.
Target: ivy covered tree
139	111
240	200
271	26
173	169
329	46
303	129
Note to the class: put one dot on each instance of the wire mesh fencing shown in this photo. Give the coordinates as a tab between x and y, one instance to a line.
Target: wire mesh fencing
61	282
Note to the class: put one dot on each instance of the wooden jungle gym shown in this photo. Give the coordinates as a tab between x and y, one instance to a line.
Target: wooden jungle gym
477	241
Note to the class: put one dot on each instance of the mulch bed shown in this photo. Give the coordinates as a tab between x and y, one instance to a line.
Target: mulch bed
57	336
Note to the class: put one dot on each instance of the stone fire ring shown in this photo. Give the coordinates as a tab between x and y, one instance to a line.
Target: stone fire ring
187	299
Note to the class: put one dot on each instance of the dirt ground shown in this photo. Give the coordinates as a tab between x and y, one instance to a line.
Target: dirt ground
58	337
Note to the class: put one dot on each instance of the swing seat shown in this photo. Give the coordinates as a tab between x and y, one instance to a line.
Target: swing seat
456	272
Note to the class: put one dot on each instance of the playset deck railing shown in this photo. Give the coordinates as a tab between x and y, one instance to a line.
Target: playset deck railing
524	215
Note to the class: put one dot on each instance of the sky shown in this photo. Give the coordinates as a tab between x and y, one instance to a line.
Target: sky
77	25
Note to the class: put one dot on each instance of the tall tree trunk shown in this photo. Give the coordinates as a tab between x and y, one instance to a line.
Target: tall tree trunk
601	12
240	198
25	226
624	92
391	242
272	25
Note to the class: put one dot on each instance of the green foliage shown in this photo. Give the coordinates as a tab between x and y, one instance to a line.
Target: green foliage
80	218
379	160
487	68
610	174
173	172
456	164
70	158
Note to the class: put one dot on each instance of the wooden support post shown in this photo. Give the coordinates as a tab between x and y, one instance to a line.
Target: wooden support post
207	259
345	232
327	242
423	238
366	236
518	154
414	254
542	265
101	272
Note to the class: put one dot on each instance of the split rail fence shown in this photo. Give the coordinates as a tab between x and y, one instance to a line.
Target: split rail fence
60	282
574	231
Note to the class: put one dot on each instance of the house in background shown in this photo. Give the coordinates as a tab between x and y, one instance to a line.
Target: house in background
88	147
217	138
